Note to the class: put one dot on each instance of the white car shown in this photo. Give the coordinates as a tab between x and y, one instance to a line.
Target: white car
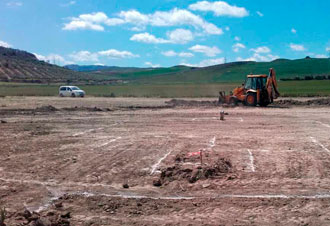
71	91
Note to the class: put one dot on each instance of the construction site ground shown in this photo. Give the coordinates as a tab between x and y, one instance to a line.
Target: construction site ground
135	161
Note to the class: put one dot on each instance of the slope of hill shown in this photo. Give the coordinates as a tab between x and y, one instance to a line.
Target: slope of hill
237	71
21	66
101	68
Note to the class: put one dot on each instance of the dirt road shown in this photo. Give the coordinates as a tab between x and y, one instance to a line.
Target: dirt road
261	166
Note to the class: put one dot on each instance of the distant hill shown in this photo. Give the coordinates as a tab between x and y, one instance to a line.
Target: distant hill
229	72
21	66
101	68
237	71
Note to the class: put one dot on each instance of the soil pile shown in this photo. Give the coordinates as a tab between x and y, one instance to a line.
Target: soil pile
314	102
45	219
191	173
48	108
194	103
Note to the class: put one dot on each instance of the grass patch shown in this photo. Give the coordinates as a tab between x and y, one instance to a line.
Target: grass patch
286	88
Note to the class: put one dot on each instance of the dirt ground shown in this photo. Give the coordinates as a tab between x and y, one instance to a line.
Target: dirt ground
134	161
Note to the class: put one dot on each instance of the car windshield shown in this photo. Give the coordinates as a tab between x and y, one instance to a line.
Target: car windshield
75	88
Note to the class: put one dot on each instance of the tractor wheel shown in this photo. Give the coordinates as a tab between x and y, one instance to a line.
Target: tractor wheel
251	99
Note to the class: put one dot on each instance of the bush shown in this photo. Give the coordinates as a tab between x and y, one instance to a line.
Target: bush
309	77
320	77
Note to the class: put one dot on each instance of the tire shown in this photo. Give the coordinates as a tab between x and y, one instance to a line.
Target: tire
73	95
61	95
251	99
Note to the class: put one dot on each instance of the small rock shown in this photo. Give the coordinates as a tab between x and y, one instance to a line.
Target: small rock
125	186
59	205
43	222
50	213
3	121
26	214
66	215
206	185
157	183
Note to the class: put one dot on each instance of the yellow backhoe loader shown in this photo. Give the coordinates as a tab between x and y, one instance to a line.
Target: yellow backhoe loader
257	90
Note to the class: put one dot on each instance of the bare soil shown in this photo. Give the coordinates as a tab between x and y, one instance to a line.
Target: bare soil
134	161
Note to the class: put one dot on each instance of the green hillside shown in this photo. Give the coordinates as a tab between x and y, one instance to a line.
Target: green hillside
237	71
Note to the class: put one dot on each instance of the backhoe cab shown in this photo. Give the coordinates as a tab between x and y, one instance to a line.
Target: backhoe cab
257	90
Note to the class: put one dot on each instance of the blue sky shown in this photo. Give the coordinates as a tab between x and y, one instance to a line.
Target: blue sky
151	33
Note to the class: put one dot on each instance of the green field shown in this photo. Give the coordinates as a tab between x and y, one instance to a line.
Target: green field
287	88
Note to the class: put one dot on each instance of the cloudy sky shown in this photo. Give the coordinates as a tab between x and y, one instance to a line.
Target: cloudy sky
151	33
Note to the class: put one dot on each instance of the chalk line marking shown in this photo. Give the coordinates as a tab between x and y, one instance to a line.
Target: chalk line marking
121	194
212	142
323	124
155	166
318	143
87	131
106	143
251	161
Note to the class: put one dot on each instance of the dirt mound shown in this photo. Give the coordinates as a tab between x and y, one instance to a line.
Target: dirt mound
45	219
314	102
47	108
195	103
76	108
192	173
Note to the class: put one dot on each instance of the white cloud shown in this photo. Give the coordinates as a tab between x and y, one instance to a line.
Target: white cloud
180	36
53	59
14	4
320	56
172	53
262	49
174	17
227	28
327	49
5	44
208	51
294	31
84	56
220	8
258	57
113	53
297	47
185	54
149	64
86	22
70	3
92	21
178	17
260	14
237	38
211	62
206	63
238	46
147	38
